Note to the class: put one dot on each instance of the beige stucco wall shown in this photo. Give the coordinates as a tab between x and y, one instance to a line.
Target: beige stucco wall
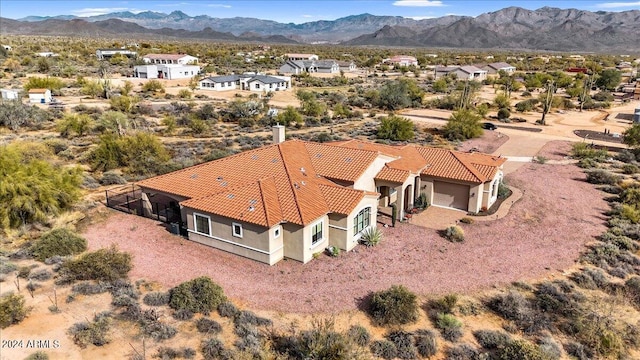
341	227
297	240
476	193
257	242
366	181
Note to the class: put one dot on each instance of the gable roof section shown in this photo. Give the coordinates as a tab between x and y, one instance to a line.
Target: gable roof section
265	79
222	78
500	65
38	91
470	69
339	163
455	165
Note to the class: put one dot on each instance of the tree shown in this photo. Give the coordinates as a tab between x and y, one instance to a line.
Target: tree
631	136
395	128
153	86
400	94
92	89
609	79
463	124
502	101
289	116
114	122
126	88
440	85
74	124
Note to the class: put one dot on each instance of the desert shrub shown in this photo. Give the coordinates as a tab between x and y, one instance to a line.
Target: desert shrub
462	125
520	349
588	163
200	295
24	271
112	178
153	86
12	309
6	266
384	349
156	299
183	314
601	176
88	288
549	348
557	298
107	264
515	307
167	353
449	326
123	301
454	233
249	318
491	339
158	330
425	343
504	113
359	335
60	242
213	349
466	220
583	150
632	289
462	352
38	355
371	237
227	309
333	251
630	169
404	344
445	304
578	350
40	275
208	326
395	128
527	105
394	306
94	332
590	278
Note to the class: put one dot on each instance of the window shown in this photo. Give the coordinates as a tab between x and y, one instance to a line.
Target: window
277	231
202	224
237	229
257	86
362	220
316	233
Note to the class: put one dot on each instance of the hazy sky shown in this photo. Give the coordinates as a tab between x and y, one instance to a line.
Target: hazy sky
296	11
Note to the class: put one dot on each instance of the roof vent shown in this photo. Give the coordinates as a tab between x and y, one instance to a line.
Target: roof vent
253	201
348	160
254	157
274	160
224	183
303	183
295	185
251	208
219	178
302	169
194	176
318	156
230	196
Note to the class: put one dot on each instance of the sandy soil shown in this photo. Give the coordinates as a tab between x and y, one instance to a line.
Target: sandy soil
544	233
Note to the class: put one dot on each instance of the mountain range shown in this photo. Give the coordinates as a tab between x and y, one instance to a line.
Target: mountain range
546	28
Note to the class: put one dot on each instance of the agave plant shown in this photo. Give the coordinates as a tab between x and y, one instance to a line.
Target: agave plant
371	237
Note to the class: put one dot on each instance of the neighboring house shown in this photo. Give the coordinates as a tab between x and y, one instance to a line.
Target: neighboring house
6	47
297	67
401	60
347	66
10	94
295	198
470	72
182	59
42	96
166	71
495	68
102	54
327	66
301	57
251	82
441	71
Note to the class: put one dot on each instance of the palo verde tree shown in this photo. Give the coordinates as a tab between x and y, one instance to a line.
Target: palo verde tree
631	136
400	94
395	128
463	124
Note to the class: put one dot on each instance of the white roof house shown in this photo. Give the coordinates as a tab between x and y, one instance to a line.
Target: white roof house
250	82
10	94
183	59
401	60
494	68
102	54
40	96
293	56
462	72
165	71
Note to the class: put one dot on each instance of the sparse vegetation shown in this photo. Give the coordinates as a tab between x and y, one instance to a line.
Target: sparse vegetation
105	264
58	242
12	309
394	306
200	295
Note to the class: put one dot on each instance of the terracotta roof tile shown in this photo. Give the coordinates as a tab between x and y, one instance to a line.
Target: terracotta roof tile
340	199
340	163
393	175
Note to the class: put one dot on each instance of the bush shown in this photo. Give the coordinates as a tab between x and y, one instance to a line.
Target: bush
395	306
112	178
227	309
40	275
246	317
12	309
200	295
630	169
153	86
371	237
38	355
514	306
602	177
208	326
504	113
95	332
462	352
157	330
384	349
425	342
395	128
7	267
213	349
103	265
578	351
156	299
449	326
445	304
404	344
590	278
491	339
583	150
166	353
463	125
58	242
359	335
549	348
520	349
454	233
183	315
467	220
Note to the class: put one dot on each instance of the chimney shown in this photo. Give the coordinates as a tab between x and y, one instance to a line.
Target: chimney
278	134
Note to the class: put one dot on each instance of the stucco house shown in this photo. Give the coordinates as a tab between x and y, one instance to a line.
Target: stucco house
297	67
327	66
295	198
253	82
401	60
102	54
165	71
347	66
182	59
41	96
470	72
10	94
495	68
292	56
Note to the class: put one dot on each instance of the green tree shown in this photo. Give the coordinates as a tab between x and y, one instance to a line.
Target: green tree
502	101
114	122
32	188
609	79
400	94
153	86
12	309
289	116
74	124
440	86
631	136
395	128
53	84
462	125
92	89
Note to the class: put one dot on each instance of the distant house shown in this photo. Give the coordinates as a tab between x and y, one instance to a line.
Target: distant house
461	72
6	47
442	71
297	67
182	59
327	66
166	71
102	54
41	96
495	68
293	56
347	66
10	94
46	54
401	60
252	82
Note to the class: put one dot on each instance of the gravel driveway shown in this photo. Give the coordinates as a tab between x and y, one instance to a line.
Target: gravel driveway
544	232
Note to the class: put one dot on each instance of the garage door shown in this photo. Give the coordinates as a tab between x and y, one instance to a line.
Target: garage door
451	195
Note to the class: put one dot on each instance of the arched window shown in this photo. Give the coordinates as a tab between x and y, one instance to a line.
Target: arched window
362	220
